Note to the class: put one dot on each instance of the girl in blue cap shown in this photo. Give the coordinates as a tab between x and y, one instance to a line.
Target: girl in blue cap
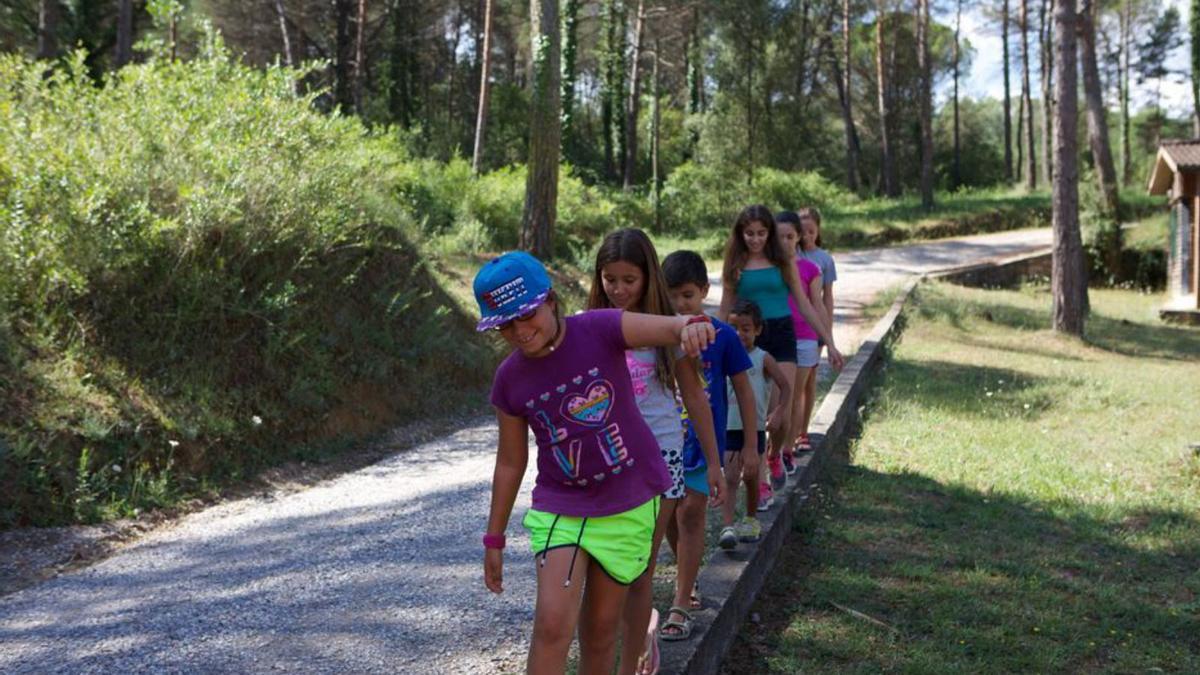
599	469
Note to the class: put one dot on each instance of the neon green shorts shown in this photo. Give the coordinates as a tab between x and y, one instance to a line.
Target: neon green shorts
620	543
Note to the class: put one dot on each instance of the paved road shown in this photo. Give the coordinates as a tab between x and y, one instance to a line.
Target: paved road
375	571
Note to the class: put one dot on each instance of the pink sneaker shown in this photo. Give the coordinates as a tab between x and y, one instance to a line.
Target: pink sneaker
765	497
778	475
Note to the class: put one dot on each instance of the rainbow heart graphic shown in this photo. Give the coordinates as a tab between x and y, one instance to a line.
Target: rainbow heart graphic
590	408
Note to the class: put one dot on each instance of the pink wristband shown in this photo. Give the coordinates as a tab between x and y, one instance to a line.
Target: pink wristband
493	541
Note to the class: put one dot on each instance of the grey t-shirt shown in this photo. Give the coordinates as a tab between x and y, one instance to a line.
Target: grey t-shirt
762	392
654	399
823	260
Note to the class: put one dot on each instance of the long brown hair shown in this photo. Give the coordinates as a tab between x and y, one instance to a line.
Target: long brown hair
736	252
632	246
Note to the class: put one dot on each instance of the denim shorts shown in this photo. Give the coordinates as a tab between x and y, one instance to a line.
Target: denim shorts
778	339
808	354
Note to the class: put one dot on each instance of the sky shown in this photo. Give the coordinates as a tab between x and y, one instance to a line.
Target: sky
987	74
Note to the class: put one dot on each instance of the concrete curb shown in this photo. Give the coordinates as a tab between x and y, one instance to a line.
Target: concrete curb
731	581
1005	272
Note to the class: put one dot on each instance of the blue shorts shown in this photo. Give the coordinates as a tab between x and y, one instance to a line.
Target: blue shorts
696	479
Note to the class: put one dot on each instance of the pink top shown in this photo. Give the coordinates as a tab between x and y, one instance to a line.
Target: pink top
808	271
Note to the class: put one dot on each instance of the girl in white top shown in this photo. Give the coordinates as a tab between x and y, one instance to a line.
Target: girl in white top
628	276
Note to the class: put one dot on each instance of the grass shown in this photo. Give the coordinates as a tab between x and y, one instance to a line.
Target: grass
1018	502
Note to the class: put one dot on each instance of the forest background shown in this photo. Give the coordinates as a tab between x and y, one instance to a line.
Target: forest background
219	215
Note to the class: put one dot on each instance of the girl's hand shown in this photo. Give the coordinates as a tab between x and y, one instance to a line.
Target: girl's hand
695	337
835	357
716	485
493	569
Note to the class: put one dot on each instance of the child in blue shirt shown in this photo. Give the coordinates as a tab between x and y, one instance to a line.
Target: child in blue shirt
725	358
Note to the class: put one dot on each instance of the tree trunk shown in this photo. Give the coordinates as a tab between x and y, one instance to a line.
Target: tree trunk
1046	33
343	95
570	50
1126	66
360	55
748	97
1097	121
124	32
403	66
633	107
1068	274
1194	34
887	167
957	132
485	88
281	16
1020	163
1026	93
1008	154
612	94
47	44
656	180
696	67
926	103
541	185
844	96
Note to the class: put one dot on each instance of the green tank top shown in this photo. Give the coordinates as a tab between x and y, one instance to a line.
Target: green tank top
766	288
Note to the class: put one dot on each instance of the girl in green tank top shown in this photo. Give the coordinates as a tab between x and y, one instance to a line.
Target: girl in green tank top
758	268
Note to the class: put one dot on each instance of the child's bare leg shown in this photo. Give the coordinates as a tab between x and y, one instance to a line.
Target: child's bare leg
557	608
800	402
635	618
810	397
733	473
780	436
603	601
750	473
690	517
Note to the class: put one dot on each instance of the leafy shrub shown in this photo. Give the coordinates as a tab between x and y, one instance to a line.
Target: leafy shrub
700	198
199	273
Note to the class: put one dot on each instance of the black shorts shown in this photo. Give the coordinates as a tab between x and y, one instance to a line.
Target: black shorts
736	438
778	339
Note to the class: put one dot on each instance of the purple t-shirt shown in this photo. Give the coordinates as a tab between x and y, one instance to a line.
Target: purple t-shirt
596	455
808	271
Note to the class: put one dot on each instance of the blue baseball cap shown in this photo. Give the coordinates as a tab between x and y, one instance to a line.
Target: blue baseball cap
508	287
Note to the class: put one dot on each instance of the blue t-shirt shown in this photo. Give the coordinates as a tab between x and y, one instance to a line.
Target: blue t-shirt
723	358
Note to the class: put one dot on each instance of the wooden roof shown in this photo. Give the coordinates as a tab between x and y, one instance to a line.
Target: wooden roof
1174	156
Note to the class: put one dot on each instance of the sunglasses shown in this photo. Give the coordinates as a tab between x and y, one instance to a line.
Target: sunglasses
526	316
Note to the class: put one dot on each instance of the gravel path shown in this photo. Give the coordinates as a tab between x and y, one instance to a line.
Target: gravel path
378	570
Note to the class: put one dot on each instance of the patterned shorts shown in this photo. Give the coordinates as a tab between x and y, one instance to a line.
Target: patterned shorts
674	460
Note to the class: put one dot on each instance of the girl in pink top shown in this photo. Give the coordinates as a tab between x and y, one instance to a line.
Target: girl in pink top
807	348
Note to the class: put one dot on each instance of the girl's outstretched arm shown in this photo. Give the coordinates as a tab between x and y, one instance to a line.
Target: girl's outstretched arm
811	315
691	390
652	330
512	454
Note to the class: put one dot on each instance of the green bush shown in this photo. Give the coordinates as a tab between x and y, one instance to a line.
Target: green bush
199	273
702	198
